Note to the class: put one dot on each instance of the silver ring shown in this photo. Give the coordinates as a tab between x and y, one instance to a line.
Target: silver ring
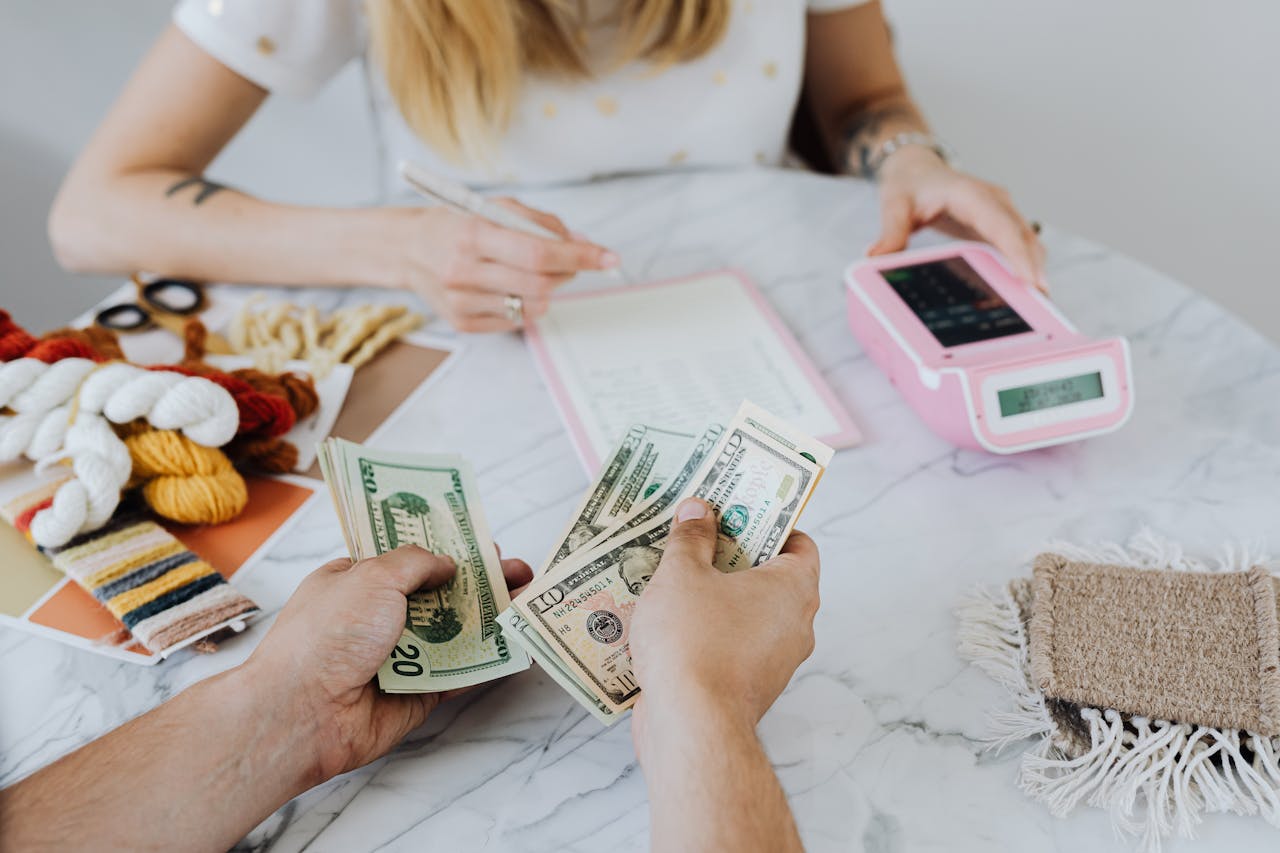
514	306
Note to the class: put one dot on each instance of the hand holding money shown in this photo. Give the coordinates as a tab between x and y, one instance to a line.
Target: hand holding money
385	500
330	639
575	619
755	477
700	636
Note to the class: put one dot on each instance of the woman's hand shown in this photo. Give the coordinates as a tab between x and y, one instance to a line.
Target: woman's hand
466	267
917	189
331	638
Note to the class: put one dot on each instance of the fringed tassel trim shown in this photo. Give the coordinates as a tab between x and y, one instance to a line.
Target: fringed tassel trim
1156	778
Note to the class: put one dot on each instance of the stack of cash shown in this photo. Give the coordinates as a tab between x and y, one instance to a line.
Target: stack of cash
574	618
384	500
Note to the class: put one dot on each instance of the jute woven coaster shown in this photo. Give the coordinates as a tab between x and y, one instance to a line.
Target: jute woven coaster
1189	647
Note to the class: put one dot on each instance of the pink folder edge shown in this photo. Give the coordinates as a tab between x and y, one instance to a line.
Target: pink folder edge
847	436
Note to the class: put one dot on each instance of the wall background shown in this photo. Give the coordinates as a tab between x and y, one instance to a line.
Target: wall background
1149	125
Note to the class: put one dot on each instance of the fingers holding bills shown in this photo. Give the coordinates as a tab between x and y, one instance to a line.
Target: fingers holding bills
386	499
574	619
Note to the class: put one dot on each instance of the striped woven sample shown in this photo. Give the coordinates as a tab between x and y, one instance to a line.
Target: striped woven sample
164	594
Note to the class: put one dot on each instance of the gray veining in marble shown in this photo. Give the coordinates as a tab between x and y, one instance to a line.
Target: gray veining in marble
877	739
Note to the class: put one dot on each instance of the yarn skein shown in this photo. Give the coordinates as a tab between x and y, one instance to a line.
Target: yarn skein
261	415
185	481
38	394
297	390
104	343
15	341
93	343
101	464
122	392
33	386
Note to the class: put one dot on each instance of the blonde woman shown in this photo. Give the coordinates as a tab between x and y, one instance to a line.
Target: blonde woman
494	93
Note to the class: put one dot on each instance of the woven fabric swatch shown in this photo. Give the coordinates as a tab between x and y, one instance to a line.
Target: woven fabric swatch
1190	647
162	593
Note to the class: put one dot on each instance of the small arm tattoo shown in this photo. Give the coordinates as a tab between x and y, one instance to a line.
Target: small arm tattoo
207	188
864	133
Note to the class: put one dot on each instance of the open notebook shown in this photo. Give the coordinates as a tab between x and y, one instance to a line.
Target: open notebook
677	354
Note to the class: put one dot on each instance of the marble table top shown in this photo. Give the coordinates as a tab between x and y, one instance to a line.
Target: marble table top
878	739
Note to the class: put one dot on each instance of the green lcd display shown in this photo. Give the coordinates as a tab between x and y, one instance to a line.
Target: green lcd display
1046	395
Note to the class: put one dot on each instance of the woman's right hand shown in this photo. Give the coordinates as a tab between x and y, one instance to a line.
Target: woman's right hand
466	267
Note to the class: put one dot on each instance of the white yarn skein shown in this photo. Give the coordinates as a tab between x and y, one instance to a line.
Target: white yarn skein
101	464
204	411
34	434
100	384
56	525
38	393
18	375
53	387
15	435
41	395
50	433
139	395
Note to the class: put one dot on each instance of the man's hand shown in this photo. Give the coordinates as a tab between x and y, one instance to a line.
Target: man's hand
215	760
334	634
699	635
712	652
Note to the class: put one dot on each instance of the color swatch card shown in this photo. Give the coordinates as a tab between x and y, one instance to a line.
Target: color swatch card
678	353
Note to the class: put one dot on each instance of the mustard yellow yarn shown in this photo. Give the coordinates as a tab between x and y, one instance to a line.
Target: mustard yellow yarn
185	481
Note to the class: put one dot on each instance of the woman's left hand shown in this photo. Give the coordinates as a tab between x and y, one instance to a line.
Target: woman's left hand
918	189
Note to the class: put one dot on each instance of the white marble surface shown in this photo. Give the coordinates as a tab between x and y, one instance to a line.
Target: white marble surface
876	739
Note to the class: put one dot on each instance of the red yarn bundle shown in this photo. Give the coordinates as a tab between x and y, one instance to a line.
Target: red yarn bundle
16	342
261	415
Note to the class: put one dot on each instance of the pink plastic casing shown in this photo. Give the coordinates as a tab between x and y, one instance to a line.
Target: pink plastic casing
953	389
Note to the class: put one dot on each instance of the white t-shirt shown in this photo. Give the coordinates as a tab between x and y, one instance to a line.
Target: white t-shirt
730	107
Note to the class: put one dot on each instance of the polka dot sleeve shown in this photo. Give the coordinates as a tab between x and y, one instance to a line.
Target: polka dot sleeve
291	47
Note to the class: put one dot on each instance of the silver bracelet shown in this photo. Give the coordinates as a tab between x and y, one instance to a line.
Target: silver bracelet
903	140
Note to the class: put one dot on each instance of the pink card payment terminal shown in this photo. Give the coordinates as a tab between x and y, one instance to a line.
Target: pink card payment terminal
985	360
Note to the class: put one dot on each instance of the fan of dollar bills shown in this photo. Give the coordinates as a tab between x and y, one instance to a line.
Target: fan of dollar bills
574	618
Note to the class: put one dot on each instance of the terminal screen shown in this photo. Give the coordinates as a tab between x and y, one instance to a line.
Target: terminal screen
954	302
1046	395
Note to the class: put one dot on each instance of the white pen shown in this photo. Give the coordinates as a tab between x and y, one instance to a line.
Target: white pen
463	198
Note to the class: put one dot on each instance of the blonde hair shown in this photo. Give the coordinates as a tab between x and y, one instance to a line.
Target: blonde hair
454	67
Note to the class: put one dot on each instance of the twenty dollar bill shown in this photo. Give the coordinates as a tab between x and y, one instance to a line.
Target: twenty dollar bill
386	499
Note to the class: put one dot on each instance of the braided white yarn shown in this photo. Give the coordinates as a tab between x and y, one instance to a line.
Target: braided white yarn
30	385
35	434
43	397
204	411
38	393
101	463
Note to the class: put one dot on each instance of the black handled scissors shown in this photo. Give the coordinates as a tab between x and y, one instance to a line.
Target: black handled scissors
167	303
164	297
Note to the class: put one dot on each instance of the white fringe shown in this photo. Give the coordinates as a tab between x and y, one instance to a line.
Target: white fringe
1156	778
